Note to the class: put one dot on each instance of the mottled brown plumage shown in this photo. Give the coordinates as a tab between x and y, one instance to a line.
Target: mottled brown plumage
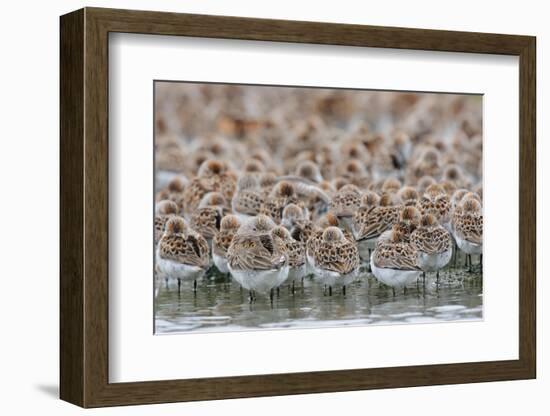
372	223
296	250
430	237
335	252
468	223
206	219
283	193
400	256
222	240
408	196
345	202
391	185
436	201
212	177
295	220
183	245
256	252
165	210
248	202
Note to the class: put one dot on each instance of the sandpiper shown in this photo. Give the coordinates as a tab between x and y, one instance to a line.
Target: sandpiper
164	211
428	164
360	221
296	256
378	219
423	183
267	181
456	198
394	263
403	148
408	196
283	193
436	201
433	245
182	253
256	258
456	211
213	175
468	229
222	240
207	217
247	200
454	174
309	170
295	220
316	238
409	219
391	186
174	191
335	261
345	202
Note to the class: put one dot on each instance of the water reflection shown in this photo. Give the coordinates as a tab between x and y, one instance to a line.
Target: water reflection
220	305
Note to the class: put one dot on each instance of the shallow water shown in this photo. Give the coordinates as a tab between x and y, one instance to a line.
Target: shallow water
220	305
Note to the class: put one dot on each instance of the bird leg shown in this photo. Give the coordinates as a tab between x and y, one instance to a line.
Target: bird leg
344	290
470	263
455	253
179	285
194	285
330	290
481	263
293	289
368	262
271	295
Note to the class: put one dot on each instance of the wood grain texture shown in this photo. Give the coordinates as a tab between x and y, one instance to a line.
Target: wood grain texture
227	27
96	206
527	208
71	217
84	207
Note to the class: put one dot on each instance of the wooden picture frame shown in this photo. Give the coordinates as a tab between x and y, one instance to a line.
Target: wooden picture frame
84	207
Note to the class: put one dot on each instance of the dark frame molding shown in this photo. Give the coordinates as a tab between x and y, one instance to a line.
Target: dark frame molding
84	207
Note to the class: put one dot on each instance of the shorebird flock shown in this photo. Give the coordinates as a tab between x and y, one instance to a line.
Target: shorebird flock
273	185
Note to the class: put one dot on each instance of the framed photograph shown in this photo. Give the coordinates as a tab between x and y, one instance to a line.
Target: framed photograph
257	207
